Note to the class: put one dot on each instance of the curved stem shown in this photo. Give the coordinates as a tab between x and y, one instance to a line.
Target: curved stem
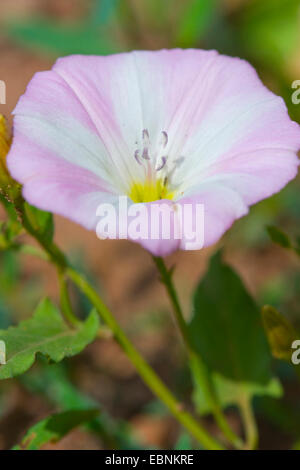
249	423
198	368
65	300
145	371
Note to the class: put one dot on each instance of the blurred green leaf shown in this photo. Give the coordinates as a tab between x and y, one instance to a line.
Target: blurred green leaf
60	39
45	333
229	392
41	221
280	333
184	442
54	384
269	30
296	445
282	239
54	428
102	11
196	19
279	237
226	327
11	227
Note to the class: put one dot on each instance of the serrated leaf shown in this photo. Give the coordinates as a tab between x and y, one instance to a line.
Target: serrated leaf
226	327
45	333
41	221
279	237
54	428
280	333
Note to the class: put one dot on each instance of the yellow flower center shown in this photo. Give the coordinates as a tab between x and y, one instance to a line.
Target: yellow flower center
150	191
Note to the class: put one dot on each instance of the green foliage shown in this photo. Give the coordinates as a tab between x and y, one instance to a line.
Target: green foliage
195	21
279	237
103	10
60	40
230	392
227	333
269	30
45	333
54	384
41	222
54	428
11	227
280	333
184	442
226	326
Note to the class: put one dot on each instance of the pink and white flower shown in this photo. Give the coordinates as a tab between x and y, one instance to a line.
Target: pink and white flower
178	126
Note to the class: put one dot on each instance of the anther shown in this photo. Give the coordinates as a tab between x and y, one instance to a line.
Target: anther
163	162
145	153
137	157
164	139
145	135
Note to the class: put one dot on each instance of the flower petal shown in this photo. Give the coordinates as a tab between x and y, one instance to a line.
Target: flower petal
78	126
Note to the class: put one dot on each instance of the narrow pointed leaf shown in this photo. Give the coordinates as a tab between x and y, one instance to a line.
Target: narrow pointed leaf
279	237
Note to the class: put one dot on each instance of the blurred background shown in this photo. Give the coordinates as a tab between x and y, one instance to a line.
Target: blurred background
33	33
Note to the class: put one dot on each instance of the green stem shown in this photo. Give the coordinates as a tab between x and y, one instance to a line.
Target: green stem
143	368
31	250
65	300
145	371
249	423
198	368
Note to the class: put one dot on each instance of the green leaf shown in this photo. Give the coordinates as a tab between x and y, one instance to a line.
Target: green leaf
269	30
45	333
41	221
103	10
54	384
280	333
184	442
226	327
227	332
229	392
58	39
54	428
10	228
279	237
195	21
